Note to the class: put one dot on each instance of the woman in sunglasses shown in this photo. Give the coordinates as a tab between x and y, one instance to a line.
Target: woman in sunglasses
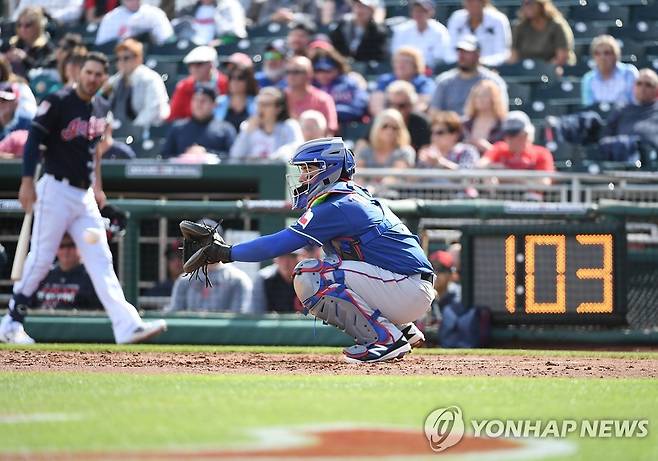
390	143
31	48
611	81
240	102
446	151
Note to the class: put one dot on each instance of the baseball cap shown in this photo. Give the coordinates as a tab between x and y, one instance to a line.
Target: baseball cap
425	4
303	24
7	92
325	64
442	261
468	43
201	54
240	59
207	89
516	122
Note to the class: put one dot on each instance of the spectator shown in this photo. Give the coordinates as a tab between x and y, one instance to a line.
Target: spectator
67	285
639	118
491	28
401	95
72	65
273	288
446	151
300	37
611	81
230	289
202	64
408	65
65	12
423	32
133	18
517	151
202	132
27	104
30	48
115	150
313	124
65	46
274	65
283	11
359	36
331	72
270	134
484	113
542	33
390	143
210	19
447	290
454	86
96	9
10	117
301	95
12	145
174	260
138	95
240	102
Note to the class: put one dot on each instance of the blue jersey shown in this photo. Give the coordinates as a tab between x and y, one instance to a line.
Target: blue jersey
350	222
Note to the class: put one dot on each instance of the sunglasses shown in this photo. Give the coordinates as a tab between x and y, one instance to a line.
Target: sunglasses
66	245
387	126
272	56
295	71
126	57
439	132
645	83
604	53
25	25
402	105
241	78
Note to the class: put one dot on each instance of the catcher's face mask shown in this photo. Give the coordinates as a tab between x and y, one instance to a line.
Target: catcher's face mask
301	181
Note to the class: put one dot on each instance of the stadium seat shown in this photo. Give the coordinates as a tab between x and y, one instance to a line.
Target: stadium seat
565	92
631	50
519	94
599	12
583	33
269	31
105	48
397	8
527	71
642	31
177	48
579	69
44	82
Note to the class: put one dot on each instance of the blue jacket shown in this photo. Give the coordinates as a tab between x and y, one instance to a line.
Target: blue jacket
351	100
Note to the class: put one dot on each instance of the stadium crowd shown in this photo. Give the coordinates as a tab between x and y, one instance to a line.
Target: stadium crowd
248	81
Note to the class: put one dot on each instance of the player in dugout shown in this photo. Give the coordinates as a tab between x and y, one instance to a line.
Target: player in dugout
375	280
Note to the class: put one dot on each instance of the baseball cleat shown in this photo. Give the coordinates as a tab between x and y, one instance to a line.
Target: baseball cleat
13	332
146	331
377	352
413	335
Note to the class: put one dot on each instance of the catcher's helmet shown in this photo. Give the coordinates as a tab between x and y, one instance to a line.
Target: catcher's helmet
321	163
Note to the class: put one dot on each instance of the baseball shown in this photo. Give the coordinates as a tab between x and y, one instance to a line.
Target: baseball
91	236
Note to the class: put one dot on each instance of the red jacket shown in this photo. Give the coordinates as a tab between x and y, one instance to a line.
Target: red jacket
182	97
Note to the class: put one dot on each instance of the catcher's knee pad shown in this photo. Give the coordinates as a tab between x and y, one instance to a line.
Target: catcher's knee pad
320	284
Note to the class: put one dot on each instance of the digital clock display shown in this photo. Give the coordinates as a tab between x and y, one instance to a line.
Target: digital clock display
564	274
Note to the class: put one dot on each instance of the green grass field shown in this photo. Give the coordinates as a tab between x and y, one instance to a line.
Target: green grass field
126	414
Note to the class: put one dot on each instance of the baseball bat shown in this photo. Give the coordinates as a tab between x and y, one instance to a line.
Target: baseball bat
23	240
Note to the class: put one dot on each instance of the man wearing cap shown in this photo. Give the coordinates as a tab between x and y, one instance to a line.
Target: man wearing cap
422	31
273	287
274	65
230	291
302	96
202	132
174	262
516	151
202	64
132	19
10	118
300	36
454	85
359	36
138	95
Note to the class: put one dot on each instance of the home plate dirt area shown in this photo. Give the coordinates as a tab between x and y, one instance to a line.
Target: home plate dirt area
418	363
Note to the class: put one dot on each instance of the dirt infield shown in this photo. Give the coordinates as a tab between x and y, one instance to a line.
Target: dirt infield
327	364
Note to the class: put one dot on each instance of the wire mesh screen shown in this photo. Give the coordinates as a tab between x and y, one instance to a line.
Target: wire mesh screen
642	291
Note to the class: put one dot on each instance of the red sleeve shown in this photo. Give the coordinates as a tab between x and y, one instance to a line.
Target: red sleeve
180	102
89	4
544	160
495	153
222	83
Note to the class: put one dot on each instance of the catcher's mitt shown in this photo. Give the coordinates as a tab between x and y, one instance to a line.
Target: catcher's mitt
202	245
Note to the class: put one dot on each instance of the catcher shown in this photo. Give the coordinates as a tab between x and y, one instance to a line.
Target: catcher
375	280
